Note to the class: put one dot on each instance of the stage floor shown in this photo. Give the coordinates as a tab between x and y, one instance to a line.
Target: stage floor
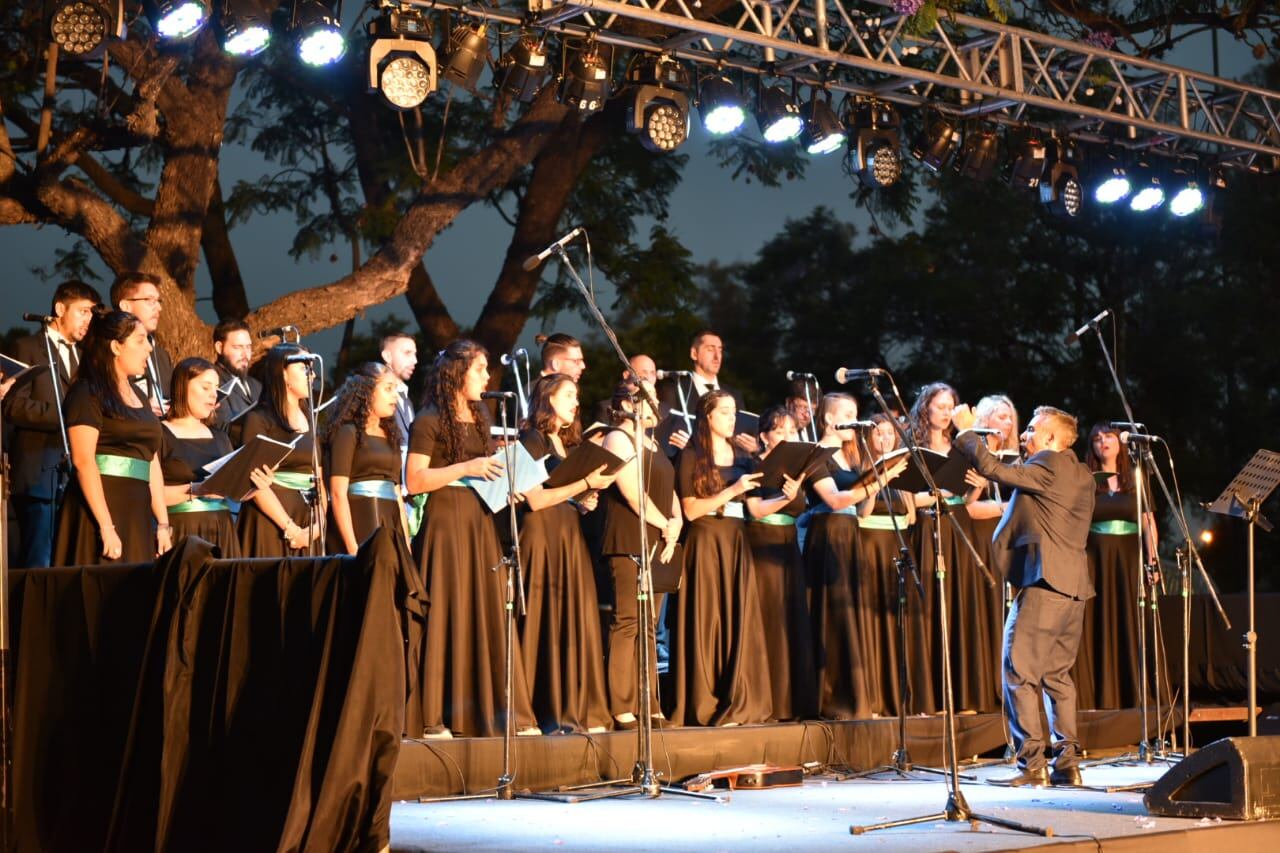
817	817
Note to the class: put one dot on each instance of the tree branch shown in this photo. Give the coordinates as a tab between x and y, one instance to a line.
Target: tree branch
103	179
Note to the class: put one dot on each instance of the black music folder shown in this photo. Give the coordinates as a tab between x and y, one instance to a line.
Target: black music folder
793	458
580	462
947	469
11	368
229	475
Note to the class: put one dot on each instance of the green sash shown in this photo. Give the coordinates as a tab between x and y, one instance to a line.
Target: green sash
201	505
883	522
292	480
781	519
123	466
1114	528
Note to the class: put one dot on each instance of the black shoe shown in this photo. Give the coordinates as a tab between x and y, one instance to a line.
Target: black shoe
1066	776
1033	778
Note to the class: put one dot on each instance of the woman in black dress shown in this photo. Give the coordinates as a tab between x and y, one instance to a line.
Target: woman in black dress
1108	669
464	672
560	633
362	459
115	444
190	444
831	564
621	544
719	661
779	573
278	522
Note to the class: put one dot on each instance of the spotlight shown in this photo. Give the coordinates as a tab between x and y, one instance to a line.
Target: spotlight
318	34
937	143
1112	181
177	19
721	106
874	153
1028	155
81	29
244	27
466	55
778	116
980	154
1187	195
525	68
823	132
1148	193
1206	537
1061	191
659	111
586	83
402	62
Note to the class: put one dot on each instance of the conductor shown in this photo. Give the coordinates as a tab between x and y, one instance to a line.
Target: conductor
1040	546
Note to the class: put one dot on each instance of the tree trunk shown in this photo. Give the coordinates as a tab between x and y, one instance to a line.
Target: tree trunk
229	297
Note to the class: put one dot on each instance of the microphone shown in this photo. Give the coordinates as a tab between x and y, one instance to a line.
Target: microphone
277	332
672	374
984	431
847	374
509	357
302	358
1126	437
855	425
793	375
37	318
498	395
1127	425
531	262
1092	324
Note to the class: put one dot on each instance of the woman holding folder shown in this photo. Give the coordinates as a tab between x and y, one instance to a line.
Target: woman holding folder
779	572
362	453
461	559
278	522
115	444
560	634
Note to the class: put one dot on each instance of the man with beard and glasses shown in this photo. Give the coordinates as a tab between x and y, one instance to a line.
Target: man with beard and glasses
239	391
139	294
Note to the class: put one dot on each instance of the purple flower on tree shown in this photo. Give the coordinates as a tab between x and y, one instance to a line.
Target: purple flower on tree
907	8
1103	39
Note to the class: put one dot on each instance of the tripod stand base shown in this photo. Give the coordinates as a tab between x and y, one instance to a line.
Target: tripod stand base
957	811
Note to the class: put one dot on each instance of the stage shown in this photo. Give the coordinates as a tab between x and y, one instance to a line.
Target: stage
817	817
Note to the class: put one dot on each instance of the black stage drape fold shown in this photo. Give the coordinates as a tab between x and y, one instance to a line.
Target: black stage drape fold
206	704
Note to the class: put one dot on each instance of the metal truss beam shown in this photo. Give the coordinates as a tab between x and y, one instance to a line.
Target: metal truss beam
965	66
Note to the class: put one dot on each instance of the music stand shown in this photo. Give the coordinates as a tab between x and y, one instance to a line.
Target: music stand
1243	498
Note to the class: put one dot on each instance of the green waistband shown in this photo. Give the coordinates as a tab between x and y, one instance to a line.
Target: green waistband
883	522
123	466
384	490
954	500
823	509
201	505
299	482
1115	528
781	519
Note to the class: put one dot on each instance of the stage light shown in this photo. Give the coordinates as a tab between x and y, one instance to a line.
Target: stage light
1148	193
1206	537
586	83
1028	156
981	153
81	29
936	143
777	115
823	132
875	150
721	106
402	62
525	68
466	55
1186	193
244	29
318	34
1111	180
1061	191
177	19
659	110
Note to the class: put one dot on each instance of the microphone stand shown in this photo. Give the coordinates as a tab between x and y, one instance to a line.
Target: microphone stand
316	525
956	808
61	471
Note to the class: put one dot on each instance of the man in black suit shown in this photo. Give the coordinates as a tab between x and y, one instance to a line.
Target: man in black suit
1040	547
35	447
400	354
233	343
707	354
139	294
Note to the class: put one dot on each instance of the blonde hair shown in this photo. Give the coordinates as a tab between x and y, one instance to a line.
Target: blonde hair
1064	426
986	409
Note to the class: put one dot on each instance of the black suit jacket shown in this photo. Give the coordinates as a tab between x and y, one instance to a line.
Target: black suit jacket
30	408
668	395
237	401
163	366
404	418
1045	528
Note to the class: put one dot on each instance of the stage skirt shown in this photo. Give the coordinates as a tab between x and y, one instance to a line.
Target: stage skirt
79	542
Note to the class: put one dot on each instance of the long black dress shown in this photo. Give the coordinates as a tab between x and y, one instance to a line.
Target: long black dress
372	461
457	550
135	436
560	634
831	572
182	461
259	535
621	540
719	658
784	610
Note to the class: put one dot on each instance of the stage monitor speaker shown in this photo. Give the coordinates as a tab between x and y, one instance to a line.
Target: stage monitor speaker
1236	778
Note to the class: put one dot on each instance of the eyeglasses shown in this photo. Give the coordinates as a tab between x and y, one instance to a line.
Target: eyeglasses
153	299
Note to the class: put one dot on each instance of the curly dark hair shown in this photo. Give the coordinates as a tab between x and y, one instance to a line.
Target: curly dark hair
97	366
706	476
542	415
919	417
1124	465
445	382
355	400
